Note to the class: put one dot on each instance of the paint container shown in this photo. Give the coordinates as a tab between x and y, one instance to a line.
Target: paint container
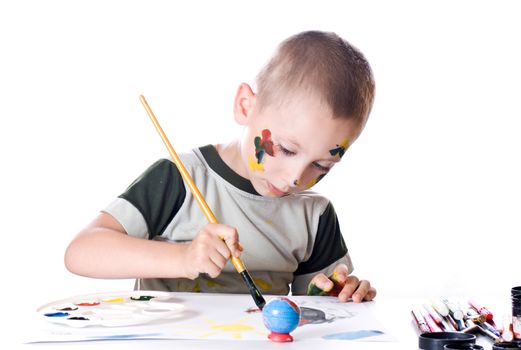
437	340
516	311
508	345
462	347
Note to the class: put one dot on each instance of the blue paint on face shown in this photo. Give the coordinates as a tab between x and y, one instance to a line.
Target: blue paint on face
354	335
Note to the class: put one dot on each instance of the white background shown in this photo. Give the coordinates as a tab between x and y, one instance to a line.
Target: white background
428	197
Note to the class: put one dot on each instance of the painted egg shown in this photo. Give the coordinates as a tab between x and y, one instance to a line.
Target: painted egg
281	315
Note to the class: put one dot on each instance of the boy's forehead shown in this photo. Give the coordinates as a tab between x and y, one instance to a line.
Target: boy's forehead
303	118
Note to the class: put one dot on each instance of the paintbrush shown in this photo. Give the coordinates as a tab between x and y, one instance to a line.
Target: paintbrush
237	262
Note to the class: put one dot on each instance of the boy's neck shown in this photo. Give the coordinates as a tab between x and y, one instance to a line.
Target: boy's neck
231	155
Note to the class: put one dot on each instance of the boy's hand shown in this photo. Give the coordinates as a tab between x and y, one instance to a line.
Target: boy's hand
210	250
341	284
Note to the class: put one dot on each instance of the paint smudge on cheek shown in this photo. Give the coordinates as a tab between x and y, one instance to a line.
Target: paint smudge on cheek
263	145
340	149
313	182
254	166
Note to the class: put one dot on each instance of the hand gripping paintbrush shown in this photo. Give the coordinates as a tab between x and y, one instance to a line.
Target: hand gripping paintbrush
237	262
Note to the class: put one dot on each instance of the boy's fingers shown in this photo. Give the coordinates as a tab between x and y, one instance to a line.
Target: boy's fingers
371	294
349	288
219	257
361	291
340	274
231	238
322	282
319	285
229	235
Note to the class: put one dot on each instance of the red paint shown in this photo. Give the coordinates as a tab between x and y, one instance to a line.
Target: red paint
88	303
253	310
482	310
280	337
266	142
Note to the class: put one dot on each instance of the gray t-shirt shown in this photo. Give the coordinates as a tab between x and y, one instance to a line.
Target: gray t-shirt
286	240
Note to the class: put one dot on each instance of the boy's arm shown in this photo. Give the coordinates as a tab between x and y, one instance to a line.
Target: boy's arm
104	250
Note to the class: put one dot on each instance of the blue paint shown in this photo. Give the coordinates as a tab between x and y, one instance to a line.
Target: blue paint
127	336
365	333
57	314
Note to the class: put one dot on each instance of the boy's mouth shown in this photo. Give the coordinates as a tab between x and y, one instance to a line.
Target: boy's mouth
276	191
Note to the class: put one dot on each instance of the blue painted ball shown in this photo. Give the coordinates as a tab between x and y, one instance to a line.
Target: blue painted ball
281	315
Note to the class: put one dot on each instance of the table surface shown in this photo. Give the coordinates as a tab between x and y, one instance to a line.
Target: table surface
394	313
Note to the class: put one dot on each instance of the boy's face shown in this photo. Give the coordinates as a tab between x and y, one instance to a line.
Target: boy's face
288	148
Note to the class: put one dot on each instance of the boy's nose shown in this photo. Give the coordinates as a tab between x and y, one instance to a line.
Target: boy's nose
295	177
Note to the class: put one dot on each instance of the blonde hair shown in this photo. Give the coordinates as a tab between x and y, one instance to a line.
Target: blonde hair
322	63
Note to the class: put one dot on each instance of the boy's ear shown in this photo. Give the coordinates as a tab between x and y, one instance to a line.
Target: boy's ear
243	104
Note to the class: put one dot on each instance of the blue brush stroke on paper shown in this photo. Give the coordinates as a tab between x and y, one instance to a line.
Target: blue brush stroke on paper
365	333
126	336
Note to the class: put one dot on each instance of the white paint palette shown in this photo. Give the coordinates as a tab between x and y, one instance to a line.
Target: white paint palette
112	309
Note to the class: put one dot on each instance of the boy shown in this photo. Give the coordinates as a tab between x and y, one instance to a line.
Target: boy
312	101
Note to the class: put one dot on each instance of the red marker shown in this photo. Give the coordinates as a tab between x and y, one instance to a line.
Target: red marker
482	310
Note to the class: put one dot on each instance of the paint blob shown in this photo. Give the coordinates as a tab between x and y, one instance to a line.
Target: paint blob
354	335
88	303
114	300
112	310
142	298
263	144
253	165
57	314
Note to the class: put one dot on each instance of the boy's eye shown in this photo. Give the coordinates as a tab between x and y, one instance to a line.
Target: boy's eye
321	167
286	151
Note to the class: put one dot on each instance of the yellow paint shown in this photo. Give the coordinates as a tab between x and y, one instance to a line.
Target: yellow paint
269	222
311	183
236	329
262	283
115	300
334	276
345	143
213	284
196	288
252	163
233	327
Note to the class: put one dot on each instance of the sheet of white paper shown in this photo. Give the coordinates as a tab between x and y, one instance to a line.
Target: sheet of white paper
229	317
